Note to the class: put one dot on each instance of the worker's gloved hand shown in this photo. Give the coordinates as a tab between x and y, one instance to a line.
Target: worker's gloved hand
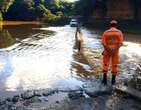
102	53
111	51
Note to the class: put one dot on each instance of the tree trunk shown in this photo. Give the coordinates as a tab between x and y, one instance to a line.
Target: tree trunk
136	11
136	5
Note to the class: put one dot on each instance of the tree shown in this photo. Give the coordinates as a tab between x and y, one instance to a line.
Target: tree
1	18
21	10
4	5
85	7
66	8
136	4
34	9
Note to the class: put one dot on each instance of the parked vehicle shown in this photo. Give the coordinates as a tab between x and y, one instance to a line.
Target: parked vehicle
73	23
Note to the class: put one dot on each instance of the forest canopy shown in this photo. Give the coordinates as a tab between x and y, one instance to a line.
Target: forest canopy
46	10
55	10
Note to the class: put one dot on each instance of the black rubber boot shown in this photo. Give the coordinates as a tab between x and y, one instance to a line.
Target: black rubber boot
104	81
113	79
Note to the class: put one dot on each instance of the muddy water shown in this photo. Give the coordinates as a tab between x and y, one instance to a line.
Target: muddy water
40	58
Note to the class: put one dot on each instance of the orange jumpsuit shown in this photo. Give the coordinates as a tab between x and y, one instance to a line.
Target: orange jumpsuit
112	39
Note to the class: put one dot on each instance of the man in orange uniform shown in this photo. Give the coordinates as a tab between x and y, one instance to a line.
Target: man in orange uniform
112	40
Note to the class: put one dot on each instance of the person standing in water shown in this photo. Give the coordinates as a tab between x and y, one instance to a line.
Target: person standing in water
112	40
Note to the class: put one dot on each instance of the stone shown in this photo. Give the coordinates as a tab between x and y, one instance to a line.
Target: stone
2	102
57	101
37	93
75	95
73	89
27	103
130	91
43	99
96	89
9	99
49	92
15	99
27	95
35	99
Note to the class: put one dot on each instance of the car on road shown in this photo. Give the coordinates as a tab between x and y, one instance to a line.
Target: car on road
73	23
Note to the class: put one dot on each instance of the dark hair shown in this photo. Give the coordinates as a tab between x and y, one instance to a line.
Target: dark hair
78	29
113	25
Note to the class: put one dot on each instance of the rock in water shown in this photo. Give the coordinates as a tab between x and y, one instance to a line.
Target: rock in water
49	92
96	89
75	95
27	95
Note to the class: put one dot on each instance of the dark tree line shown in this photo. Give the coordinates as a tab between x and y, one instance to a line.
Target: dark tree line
4	5
48	10
35	9
136	6
87	8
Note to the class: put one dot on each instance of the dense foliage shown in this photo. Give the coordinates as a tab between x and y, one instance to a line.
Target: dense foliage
84	7
136	4
53	10
4	5
1	18
46	10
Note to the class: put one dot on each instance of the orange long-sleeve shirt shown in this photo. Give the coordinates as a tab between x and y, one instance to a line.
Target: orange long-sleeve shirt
112	38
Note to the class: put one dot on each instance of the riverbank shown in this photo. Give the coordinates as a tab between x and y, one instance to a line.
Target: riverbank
8	23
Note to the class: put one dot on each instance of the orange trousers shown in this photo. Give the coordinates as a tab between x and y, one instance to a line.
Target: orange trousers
107	59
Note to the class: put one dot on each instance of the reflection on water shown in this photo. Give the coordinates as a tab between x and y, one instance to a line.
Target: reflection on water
16	23
81	67
10	31
6	39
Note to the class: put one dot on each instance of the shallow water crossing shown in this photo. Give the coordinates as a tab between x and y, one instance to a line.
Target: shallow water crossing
42	60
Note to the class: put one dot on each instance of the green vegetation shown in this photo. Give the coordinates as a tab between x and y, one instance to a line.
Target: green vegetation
42	10
1	18
4	6
86	8
6	39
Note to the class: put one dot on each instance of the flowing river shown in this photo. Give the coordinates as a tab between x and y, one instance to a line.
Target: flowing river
39	57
